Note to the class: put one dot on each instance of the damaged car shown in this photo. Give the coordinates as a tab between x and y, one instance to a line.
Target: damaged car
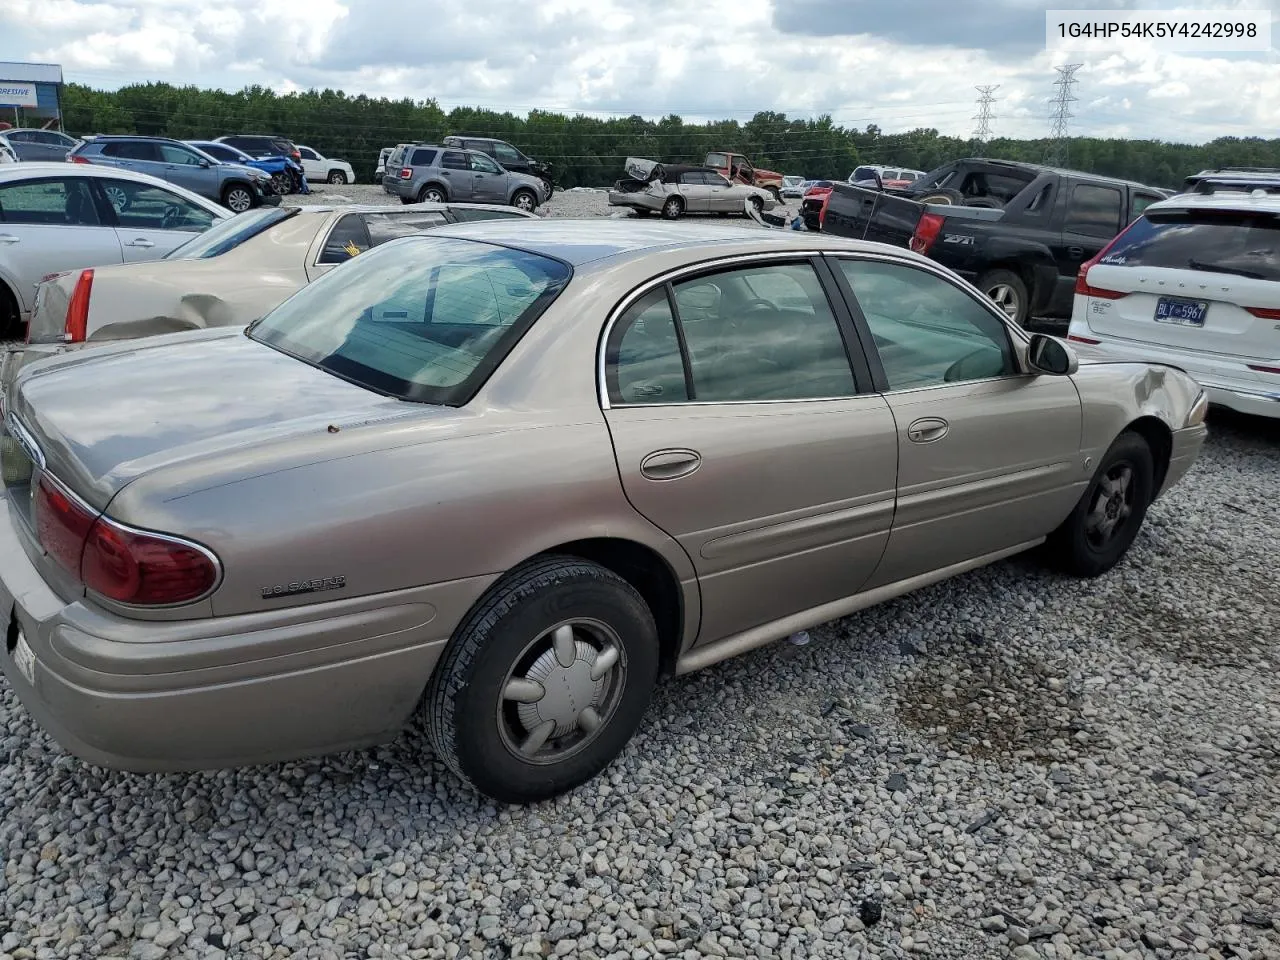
228	276
676	189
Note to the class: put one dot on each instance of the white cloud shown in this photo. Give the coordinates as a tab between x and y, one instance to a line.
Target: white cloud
697	58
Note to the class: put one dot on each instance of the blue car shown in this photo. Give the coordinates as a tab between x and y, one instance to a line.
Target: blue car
279	168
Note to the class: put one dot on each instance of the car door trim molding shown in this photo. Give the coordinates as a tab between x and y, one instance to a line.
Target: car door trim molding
602	383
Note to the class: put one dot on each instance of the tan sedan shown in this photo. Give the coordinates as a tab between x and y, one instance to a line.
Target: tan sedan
506	474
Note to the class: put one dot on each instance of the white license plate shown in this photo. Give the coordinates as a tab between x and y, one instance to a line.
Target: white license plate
25	659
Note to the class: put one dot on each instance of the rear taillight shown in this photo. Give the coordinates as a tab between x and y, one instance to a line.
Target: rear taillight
1078	339
1082	275
1265	313
126	565
76	327
822	211
927	230
76	158
1261	368
406	173
62	524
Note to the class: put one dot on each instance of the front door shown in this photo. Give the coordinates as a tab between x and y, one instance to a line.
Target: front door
150	220
739	430
490	180
50	225
987	455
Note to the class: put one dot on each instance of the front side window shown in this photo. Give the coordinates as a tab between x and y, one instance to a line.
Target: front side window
718	160
179	155
308	153
506	155
758	333
424	319
927	331
220	152
455	160
1141	201
141	206
1094	211
57	201
482	164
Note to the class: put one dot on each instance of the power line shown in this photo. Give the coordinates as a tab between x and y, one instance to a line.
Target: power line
984	116
1057	150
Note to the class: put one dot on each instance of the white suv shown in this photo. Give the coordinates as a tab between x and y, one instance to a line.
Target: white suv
1194	283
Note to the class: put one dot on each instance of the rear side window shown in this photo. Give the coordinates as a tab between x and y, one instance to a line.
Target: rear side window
455	160
53	202
423	157
1093	211
131	150
348	238
1239	244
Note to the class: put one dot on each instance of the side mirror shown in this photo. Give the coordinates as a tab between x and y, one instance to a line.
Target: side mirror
204	162
1050	355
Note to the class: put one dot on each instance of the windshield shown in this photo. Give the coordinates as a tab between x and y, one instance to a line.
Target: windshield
717	160
230	233
1212	241
424	318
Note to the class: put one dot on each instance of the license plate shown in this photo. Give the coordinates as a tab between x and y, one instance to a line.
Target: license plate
25	659
1189	313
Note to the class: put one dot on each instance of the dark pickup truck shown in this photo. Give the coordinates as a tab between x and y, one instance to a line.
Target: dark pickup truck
1017	231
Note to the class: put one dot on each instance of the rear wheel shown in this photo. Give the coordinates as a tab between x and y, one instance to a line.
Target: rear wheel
237	198
1008	292
544	682
337	176
431	195
673	209
1107	518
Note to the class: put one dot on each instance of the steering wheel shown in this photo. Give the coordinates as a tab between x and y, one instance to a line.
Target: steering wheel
759	303
972	366
170	218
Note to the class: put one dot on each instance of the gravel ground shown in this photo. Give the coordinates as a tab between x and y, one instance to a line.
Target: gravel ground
1009	764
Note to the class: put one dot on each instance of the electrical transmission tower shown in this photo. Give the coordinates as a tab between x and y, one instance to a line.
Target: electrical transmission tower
984	116
1060	113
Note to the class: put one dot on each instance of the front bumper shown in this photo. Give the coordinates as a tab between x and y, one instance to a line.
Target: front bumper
219	692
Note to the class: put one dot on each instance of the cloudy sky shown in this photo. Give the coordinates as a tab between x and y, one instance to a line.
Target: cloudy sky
896	63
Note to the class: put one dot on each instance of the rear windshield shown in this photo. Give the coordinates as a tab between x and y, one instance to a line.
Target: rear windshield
230	233
717	160
864	173
1240	244
424	318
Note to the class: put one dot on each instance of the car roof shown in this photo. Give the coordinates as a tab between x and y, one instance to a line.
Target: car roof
1243	200
580	242
53	168
424	206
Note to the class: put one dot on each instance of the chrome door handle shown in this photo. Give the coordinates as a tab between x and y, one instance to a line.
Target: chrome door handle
670	464
9	238
140	242
1075	251
927	430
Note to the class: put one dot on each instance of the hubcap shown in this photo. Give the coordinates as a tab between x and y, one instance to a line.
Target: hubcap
238	201
524	202
1005	298
116	196
563	689
1112	505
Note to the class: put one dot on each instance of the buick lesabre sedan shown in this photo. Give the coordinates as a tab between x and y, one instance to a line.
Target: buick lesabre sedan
506	474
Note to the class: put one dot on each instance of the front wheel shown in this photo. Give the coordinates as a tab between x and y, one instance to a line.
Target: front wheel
524	200
337	177
1107	517
237	199
673	208
544	682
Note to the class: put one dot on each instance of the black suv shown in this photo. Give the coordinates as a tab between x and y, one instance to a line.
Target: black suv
268	145
507	155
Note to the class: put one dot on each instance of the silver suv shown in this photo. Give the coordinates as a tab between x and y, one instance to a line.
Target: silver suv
438	174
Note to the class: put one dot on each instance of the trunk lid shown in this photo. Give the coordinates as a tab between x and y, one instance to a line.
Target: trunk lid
107	415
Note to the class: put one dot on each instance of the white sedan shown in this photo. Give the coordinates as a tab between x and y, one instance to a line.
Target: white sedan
63	216
319	168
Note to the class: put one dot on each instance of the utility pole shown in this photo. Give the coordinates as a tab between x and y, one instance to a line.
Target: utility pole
984	116
1059	113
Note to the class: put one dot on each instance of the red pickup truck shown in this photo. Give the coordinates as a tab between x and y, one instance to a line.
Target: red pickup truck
739	169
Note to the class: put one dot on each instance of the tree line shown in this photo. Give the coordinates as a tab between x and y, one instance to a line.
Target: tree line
590	151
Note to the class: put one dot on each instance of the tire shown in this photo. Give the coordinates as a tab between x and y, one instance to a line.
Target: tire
118	197
673	209
524	200
11	325
986	203
431	194
641	211
280	181
1083	545
1007	291
237	198
777	196
478	732
758	204
941	195
337	177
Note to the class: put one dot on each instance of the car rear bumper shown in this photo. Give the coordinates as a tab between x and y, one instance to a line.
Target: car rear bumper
639	200
220	692
1227	381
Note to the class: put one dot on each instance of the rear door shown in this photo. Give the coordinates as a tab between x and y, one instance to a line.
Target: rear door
696	192
48	225
150	220
987	455
1202	280
1091	218
739	429
455	168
